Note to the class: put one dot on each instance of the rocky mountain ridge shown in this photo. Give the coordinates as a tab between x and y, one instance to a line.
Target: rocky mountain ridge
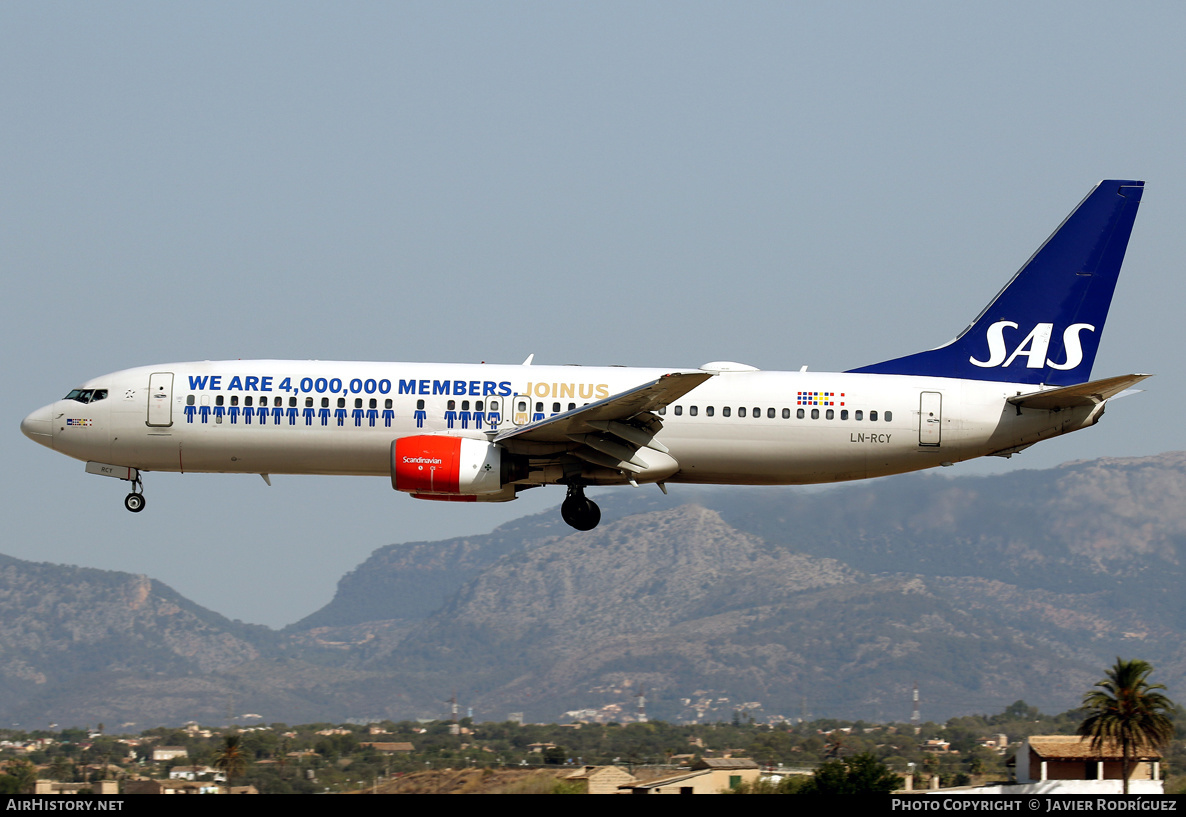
983	590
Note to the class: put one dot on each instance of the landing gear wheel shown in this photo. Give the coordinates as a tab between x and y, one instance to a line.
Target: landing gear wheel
134	502
578	511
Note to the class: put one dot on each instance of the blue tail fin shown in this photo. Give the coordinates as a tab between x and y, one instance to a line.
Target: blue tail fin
1045	325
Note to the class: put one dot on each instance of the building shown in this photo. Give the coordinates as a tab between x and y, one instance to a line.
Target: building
1063	757
715	775
603	779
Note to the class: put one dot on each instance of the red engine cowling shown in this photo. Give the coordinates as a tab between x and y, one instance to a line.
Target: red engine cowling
448	466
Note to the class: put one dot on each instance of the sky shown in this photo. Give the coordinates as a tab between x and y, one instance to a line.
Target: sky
651	184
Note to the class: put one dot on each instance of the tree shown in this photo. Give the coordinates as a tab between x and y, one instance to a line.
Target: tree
860	774
1125	709
231	759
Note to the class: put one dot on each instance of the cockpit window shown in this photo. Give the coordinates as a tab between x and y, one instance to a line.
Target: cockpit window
87	395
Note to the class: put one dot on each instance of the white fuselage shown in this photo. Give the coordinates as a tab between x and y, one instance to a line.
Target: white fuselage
738	427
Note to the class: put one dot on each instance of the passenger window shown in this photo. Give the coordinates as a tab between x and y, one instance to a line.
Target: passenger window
679	410
829	414
692	410
373	403
465	405
539	408
662	410
246	401
324	402
555	408
770	413
843	414
786	414
815	414
218	401
726	411
358	402
572	406
494	405
341	402
234	399
477	405
799	414
889	416
860	415
451	405
873	417
292	402
741	411
757	412
708	410
189	401
308	402
420	405
387	403
278	402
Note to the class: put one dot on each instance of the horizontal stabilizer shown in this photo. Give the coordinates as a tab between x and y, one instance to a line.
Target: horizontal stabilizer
1083	394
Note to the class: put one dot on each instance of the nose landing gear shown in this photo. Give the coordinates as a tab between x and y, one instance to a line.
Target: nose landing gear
578	510
134	501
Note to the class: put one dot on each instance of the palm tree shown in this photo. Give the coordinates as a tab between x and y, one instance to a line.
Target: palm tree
1126	709
231	759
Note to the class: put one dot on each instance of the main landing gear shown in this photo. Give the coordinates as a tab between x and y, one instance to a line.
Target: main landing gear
578	510
134	501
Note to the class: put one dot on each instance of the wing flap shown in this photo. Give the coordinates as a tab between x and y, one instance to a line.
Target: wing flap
617	407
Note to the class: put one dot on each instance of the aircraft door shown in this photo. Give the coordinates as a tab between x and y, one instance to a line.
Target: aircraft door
930	418
160	399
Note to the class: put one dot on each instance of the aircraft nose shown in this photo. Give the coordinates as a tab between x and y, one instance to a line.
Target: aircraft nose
38	426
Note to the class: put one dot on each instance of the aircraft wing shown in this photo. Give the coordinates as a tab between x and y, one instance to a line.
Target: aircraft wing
1082	394
609	415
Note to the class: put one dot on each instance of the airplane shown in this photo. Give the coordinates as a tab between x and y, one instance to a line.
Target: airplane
1019	374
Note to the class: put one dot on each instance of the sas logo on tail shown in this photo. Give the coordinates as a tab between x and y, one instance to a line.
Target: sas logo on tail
1034	347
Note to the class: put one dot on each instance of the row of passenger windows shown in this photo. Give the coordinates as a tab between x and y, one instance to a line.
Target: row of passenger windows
479	405
220	400
771	413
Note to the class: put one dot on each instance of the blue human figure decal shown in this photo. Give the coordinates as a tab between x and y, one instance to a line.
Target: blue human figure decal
494	418
372	416
358	414
262	413
323	413
420	414
189	413
309	413
450	418
479	416
340	415
219	412
278	413
292	415
388	416
537	416
233	413
464	416
204	413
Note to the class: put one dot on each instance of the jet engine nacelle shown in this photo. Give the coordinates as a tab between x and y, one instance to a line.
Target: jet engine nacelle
447	467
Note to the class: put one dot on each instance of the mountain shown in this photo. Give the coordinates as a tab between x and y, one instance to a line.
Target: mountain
982	590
